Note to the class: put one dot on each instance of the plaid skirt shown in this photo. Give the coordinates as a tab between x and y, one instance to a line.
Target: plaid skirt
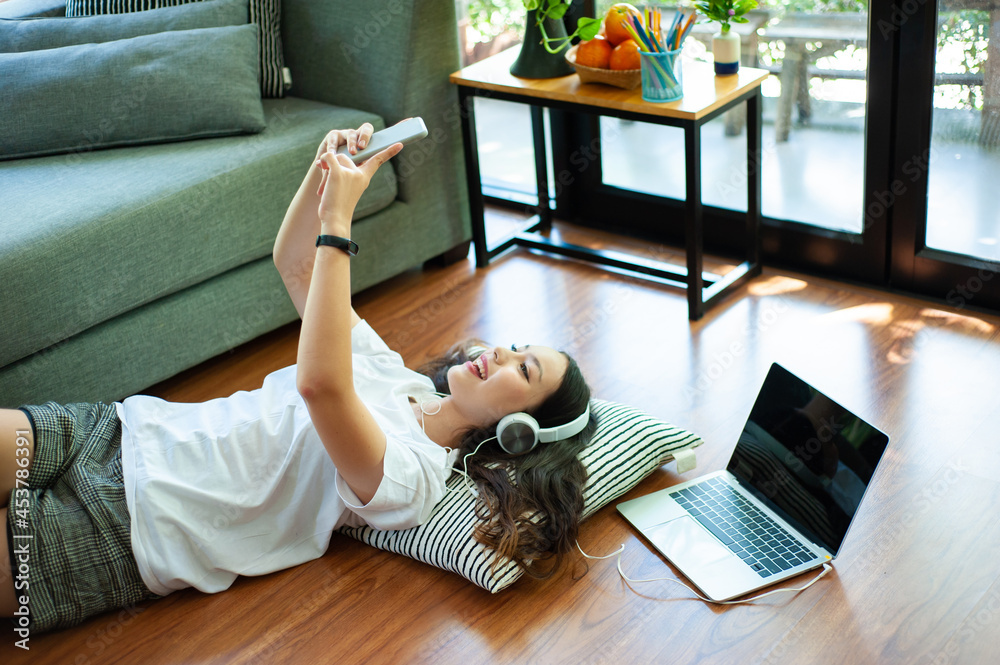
75	523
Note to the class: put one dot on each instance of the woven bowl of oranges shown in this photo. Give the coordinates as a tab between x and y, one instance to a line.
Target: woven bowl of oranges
612	57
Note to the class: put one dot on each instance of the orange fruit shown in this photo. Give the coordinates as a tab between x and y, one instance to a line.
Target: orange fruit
625	56
594	53
615	19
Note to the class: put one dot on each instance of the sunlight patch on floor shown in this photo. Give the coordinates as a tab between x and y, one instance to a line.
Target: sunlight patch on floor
968	323
776	285
879	313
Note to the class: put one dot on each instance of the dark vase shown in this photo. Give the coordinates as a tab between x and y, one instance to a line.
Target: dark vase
534	62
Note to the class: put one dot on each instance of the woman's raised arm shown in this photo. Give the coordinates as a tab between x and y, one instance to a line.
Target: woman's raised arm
325	376
294	246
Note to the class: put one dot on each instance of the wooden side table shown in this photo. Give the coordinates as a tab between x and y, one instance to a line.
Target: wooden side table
706	96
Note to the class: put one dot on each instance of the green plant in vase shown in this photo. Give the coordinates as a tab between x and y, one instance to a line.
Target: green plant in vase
726	43
586	28
545	38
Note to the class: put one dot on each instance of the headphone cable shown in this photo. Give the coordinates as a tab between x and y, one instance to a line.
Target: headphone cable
628	580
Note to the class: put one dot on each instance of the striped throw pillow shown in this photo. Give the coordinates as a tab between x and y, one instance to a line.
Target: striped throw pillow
265	13
628	445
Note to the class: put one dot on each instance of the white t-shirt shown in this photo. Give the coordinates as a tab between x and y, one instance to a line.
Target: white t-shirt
243	485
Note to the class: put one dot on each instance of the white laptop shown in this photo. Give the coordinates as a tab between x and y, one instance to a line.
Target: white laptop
784	503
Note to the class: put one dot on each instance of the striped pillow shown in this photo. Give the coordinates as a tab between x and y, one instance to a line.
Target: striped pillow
265	13
628	445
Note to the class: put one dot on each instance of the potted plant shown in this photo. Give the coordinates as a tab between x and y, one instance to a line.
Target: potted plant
726	43
545	38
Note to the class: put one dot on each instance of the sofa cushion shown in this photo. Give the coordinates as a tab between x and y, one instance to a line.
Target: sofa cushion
161	87
34	34
85	237
265	14
22	8
627	446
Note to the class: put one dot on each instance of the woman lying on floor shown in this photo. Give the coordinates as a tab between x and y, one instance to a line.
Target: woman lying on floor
109	505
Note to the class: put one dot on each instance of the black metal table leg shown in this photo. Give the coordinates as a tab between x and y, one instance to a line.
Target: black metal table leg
541	167
754	158
466	104
694	237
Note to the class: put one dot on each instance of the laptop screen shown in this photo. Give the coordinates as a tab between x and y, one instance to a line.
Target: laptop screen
808	458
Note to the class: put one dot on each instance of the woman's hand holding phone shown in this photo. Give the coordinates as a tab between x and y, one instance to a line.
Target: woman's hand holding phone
343	182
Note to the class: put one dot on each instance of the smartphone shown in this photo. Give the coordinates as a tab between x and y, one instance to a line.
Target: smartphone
405	132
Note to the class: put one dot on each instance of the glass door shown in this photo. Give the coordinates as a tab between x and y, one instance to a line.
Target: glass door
948	162
814	118
964	154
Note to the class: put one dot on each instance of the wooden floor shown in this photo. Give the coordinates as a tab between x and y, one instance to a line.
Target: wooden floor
918	580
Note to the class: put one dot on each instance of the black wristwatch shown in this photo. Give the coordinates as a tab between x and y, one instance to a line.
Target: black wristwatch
345	244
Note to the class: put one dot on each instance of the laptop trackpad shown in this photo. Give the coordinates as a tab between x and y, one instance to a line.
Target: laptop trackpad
687	544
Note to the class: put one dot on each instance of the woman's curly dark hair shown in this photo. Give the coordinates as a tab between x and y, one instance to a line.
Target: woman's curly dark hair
531	504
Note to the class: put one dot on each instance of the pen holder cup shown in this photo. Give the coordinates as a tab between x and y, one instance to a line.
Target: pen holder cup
662	78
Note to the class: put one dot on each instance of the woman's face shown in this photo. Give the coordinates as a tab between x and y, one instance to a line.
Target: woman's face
504	380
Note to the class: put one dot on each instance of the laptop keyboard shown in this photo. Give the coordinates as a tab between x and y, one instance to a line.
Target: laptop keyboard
748	532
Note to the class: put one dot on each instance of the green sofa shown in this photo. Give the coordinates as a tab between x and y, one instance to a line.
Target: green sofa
120	267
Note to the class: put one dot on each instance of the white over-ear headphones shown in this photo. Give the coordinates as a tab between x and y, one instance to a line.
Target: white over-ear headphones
518	433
